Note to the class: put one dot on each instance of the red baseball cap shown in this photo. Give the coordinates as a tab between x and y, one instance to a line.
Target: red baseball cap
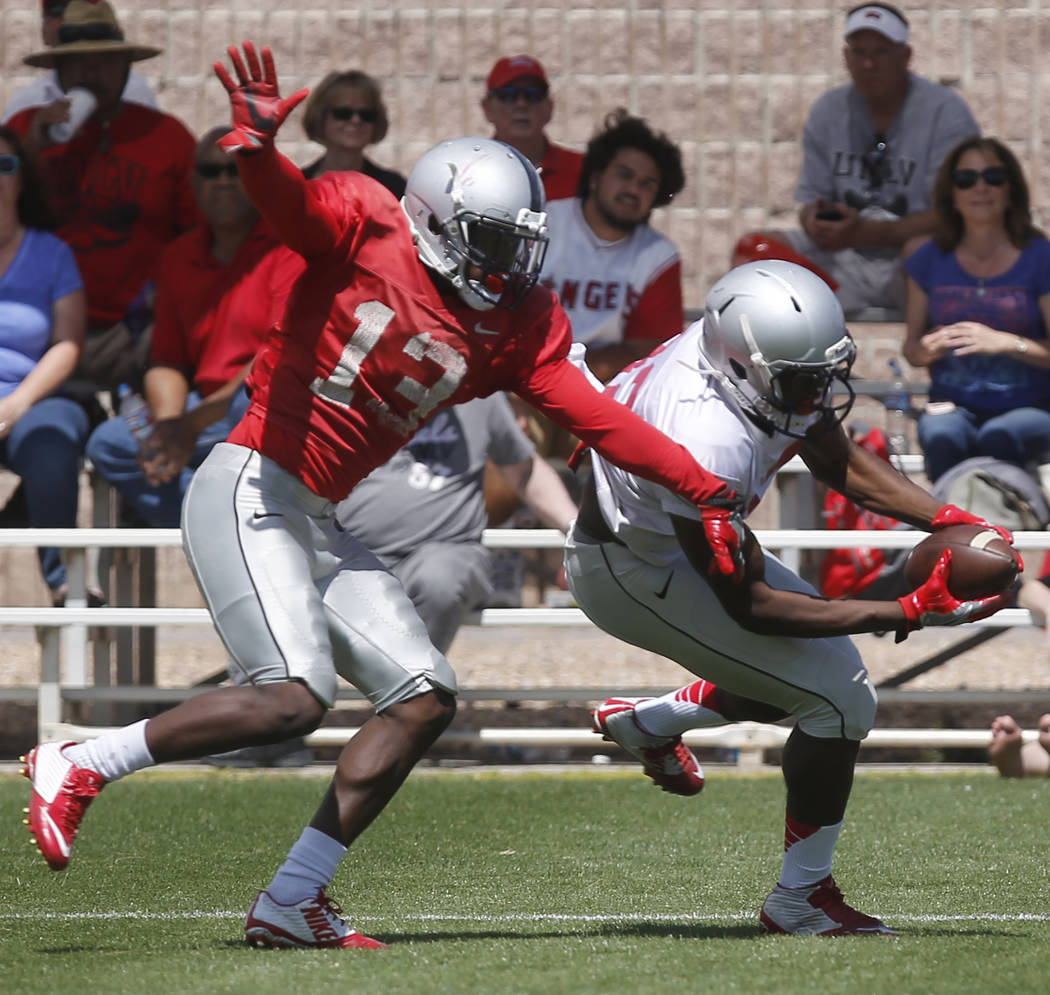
510	67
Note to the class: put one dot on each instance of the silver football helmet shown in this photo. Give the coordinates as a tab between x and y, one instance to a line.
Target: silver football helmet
475	207
775	334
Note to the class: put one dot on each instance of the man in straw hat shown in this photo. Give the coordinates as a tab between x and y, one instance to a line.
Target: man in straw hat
46	90
119	186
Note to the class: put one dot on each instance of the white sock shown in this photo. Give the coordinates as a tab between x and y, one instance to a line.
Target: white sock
310	865
114	754
807	853
689	707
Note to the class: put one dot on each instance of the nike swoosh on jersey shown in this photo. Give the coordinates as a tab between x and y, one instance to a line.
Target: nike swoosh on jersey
267	514
662	593
482	330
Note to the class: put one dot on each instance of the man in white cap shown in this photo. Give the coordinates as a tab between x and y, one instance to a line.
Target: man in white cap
46	90
871	150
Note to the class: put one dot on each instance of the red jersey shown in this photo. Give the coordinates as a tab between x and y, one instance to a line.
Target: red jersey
120	193
560	171
210	317
370	345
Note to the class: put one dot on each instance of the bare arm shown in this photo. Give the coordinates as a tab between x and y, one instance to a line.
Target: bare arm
757	607
55	366
540	487
867	480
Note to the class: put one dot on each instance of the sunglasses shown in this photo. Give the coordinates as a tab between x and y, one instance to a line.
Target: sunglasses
533	93
368	115
213	170
69	33
9	164
875	161
994	176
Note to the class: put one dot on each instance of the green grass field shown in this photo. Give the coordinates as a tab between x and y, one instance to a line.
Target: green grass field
534	883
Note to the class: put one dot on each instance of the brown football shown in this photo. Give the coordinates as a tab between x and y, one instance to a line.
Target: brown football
982	562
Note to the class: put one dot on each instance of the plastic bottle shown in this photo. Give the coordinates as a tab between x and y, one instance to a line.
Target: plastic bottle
897	402
136	412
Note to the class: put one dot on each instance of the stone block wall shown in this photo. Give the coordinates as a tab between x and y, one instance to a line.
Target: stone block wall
731	84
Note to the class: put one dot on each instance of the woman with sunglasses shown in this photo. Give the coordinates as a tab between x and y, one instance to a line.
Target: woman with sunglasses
346	114
978	313
42	433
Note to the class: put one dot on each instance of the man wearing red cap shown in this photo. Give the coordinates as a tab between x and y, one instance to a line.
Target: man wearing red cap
518	105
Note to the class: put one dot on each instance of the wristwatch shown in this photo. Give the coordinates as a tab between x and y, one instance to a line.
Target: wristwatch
1021	345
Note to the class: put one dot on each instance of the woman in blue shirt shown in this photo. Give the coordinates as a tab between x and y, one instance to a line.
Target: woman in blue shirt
978	312
42	434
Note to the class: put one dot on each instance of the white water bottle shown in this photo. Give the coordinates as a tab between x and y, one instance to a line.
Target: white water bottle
897	402
136	412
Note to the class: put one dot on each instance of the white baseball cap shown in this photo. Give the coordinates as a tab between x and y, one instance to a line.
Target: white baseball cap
875	17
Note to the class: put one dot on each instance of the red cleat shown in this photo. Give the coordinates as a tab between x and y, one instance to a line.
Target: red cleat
816	910
62	792
313	922
666	759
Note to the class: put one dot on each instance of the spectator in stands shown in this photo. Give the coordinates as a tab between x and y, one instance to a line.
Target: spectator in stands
1012	756
116	228
978	312
46	89
423	511
345	113
42	433
871	149
215	290
518	105
619	280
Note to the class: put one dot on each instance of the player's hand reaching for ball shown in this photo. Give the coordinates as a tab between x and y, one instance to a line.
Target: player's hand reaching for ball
931	603
257	105
949	514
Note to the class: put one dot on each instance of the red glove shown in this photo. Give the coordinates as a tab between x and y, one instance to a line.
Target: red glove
951	515
933	604
723	535
258	109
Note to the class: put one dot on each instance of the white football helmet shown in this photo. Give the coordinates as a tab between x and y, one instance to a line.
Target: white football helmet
475	207
775	334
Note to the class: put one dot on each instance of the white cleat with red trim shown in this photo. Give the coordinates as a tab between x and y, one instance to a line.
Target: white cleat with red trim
816	910
666	759
62	792
313	922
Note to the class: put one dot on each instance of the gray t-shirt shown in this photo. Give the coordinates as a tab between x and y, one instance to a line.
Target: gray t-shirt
841	161
432	489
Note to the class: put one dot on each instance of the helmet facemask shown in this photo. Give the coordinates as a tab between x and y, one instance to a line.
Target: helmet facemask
475	207
776	339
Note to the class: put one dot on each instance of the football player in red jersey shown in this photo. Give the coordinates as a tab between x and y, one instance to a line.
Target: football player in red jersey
401	309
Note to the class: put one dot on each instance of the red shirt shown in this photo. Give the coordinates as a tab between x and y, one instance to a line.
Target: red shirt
369	346
210	316
560	171
120	193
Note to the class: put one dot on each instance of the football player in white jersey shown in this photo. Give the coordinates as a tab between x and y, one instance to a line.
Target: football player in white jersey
744	389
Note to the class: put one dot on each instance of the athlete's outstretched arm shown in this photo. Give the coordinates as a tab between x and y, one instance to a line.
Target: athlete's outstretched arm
275	185
564	394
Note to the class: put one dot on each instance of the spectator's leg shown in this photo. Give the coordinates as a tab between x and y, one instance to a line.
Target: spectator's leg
44	449
1019	436
946	439
445	581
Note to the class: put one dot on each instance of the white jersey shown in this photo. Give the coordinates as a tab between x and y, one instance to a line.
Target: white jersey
603	285
675	390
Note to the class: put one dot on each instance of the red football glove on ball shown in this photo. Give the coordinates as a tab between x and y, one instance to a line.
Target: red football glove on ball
951	515
257	105
933	604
